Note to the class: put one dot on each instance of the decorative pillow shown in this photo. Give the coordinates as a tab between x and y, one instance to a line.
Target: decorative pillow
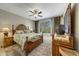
19	32
26	31
62	38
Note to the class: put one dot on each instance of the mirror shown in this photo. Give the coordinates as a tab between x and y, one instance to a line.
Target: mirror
66	26
67	20
58	27
63	28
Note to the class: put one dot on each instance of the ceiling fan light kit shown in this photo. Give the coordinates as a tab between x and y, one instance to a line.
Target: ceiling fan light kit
36	13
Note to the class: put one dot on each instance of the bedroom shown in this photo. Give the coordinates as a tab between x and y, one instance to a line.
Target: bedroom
27	28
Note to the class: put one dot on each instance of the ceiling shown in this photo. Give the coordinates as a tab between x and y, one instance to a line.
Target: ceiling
22	9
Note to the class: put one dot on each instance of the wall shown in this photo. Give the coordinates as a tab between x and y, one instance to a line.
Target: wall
62	20
8	19
76	34
52	25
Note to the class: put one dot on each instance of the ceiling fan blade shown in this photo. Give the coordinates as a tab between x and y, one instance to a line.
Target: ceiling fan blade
30	15
40	15
31	11
39	12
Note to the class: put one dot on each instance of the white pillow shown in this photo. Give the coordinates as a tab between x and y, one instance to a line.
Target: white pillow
26	31
19	31
62	38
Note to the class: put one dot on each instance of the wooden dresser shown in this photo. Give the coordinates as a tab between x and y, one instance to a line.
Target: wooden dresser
56	44
8	41
68	52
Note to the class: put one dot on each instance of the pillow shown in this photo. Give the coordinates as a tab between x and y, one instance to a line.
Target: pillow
19	32
62	38
26	31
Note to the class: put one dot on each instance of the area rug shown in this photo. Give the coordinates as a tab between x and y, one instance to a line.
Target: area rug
13	50
44	49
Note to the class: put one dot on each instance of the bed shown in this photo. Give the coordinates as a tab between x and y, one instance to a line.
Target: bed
27	41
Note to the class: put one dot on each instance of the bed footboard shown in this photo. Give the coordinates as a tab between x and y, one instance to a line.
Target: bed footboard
29	45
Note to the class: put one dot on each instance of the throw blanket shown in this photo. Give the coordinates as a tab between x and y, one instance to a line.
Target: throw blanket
20	39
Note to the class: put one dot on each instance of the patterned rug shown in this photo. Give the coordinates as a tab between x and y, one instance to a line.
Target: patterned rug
13	50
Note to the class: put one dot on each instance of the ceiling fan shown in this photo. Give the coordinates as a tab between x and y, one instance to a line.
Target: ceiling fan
36	13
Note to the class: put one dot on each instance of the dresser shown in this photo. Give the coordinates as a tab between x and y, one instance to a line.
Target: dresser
56	43
8	41
68	52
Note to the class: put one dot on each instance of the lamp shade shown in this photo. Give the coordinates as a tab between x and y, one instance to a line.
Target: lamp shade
31	29
5	29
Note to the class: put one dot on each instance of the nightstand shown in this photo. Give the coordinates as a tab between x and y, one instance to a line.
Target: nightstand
8	41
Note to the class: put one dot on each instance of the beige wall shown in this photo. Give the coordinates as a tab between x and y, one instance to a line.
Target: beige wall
62	20
8	19
77	27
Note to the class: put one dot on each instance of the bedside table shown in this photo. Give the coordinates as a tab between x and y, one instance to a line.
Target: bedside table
8	41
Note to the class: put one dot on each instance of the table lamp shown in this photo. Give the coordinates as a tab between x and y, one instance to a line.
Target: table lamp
5	30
